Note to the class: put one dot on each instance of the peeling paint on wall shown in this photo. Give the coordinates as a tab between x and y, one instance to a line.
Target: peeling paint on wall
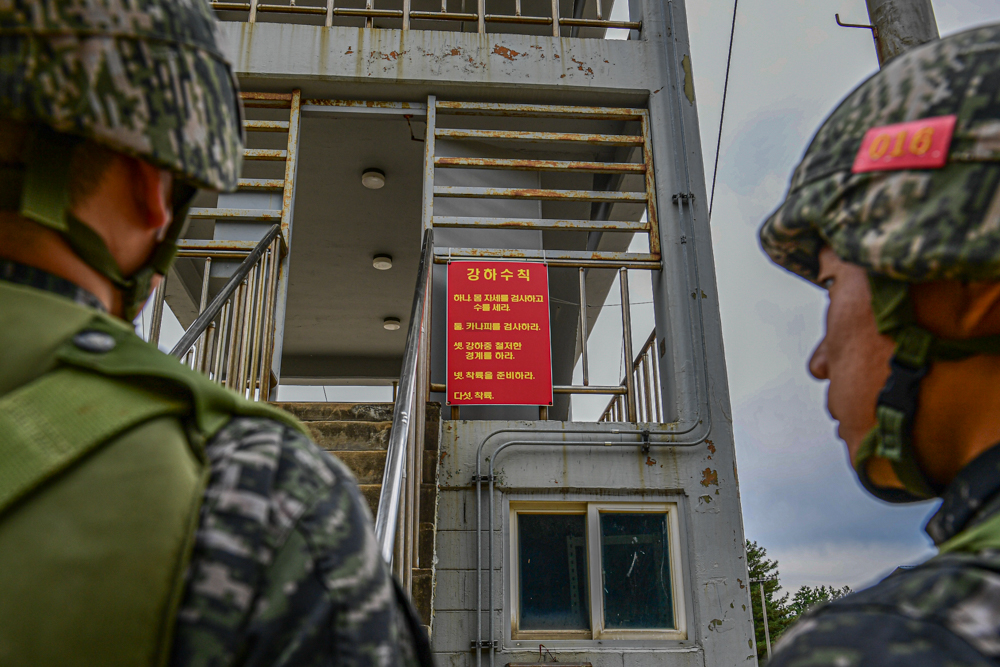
504	52
709	476
688	79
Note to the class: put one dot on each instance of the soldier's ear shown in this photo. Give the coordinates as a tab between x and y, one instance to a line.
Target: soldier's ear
152	188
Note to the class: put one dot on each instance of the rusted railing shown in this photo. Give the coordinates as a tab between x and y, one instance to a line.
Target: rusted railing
232	339
587	15
644	385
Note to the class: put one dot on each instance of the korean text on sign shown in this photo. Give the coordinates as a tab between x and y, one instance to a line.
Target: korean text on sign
499	351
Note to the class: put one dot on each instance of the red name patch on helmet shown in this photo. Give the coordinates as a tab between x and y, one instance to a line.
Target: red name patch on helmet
918	144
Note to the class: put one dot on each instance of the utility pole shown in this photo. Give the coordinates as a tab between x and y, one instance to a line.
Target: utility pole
899	25
763	609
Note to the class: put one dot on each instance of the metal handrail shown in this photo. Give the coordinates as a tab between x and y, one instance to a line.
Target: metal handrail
213	309
645	375
387	517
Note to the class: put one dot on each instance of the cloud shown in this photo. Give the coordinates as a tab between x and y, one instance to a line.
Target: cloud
801	499
856	564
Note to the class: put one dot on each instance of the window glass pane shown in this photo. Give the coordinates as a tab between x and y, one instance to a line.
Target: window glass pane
553	571
636	574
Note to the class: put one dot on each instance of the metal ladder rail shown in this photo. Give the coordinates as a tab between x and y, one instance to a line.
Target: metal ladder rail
640	141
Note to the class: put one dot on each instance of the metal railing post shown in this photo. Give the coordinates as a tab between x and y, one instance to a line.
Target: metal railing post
583	326
154	326
429	144
630	395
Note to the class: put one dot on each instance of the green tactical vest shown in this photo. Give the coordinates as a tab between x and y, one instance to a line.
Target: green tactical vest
102	473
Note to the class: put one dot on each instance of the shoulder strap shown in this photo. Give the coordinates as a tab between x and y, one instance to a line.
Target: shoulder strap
139	363
57	419
981	537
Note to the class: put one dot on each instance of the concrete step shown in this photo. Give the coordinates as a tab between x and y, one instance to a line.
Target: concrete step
366	466
421	593
425	551
342	435
371	493
311	412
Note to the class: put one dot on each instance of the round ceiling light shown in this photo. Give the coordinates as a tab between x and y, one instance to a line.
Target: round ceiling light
391	323
373	179
382	262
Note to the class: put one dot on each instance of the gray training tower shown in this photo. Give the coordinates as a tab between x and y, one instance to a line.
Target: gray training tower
389	140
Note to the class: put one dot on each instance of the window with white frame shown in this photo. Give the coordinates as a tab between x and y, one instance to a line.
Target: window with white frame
595	570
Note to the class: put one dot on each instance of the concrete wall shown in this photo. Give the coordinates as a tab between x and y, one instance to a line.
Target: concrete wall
700	479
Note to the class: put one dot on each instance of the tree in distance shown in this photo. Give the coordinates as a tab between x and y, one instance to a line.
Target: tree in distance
781	612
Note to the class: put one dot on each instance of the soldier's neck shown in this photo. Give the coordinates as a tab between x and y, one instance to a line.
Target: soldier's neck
23	241
959	415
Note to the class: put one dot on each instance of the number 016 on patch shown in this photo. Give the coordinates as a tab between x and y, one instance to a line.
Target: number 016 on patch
499	349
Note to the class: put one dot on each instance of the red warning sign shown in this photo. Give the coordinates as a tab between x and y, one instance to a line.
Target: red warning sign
499	350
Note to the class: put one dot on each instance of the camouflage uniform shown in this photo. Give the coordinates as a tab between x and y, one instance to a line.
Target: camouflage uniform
285	569
908	224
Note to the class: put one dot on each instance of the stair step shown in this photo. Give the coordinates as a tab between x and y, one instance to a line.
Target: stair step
371	493
309	412
338	436
366	466
421	593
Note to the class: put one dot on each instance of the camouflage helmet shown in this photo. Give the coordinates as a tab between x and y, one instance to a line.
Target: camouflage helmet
927	221
903	179
142	77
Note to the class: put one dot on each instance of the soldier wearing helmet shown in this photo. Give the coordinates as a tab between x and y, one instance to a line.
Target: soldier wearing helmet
895	211
148	516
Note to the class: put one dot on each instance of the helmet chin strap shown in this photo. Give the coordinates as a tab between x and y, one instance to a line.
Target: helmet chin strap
45	199
892	436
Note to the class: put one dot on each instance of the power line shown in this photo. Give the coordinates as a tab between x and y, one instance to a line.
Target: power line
722	115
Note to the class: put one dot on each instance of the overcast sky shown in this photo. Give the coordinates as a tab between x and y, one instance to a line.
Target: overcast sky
791	65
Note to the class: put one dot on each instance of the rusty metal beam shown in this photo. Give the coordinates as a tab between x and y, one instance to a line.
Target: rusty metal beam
578	257
601	23
261	184
515	223
266	100
415	107
231	6
444	16
537	194
288	191
542	165
540	137
510	18
264	154
538	110
590	389
194	245
369	13
651	214
266	125
291	9
235	214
